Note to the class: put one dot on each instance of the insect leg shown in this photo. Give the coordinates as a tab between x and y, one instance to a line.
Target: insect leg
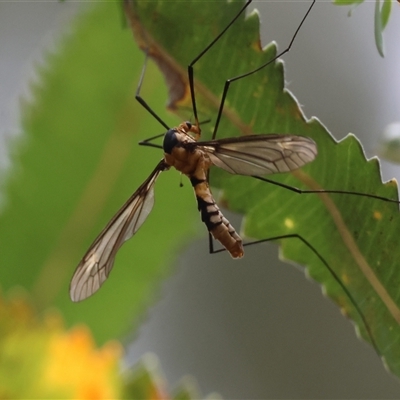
301	191
141	100
147	142
332	272
190	66
236	78
143	103
229	81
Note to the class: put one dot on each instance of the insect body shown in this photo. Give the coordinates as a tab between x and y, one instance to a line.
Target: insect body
194	163
251	155
246	155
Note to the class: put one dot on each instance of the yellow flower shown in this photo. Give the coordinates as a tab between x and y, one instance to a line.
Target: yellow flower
39	359
73	365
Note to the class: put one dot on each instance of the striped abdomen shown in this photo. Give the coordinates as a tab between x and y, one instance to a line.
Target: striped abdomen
194	163
216	223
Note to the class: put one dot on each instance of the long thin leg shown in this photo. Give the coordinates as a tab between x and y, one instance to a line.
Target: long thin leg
301	191
147	142
231	80
143	102
333	273
190	66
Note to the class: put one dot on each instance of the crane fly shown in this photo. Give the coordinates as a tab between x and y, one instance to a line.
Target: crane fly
252	155
246	155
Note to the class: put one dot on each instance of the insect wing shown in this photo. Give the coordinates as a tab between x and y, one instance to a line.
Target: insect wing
97	263
260	154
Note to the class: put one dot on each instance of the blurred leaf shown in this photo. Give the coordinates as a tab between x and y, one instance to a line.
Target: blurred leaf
385	13
347	2
39	359
357	236
77	163
381	18
145	381
389	143
378	29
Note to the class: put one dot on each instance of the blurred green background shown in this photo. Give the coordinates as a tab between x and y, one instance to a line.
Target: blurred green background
268	332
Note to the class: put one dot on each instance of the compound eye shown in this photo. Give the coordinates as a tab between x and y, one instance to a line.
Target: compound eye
170	141
188	124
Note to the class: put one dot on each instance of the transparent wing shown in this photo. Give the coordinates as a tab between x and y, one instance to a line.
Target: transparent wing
260	154
97	263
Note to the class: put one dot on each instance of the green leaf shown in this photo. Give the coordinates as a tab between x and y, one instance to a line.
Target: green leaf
378	29
77	163
385	13
389	143
347	2
357	236
381	18
146	380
